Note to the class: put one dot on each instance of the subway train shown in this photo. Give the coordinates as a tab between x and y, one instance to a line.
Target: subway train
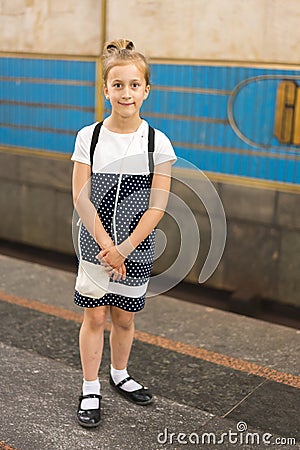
225	88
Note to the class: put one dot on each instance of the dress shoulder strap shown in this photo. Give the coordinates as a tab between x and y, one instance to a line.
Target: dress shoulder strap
151	143
94	141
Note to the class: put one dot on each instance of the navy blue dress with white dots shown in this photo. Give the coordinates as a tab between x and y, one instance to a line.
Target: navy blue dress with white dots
120	201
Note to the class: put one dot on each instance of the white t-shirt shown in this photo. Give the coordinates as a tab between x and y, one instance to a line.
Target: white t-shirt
122	153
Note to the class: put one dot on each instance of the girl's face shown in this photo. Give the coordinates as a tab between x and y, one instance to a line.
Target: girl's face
126	89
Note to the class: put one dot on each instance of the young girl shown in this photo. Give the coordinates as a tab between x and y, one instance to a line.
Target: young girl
119	208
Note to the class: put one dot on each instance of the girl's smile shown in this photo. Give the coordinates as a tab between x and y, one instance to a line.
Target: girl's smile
126	104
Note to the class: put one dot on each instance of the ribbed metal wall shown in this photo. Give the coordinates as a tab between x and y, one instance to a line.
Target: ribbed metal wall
44	102
219	118
222	119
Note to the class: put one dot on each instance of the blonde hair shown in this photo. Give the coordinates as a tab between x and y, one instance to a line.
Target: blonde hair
121	52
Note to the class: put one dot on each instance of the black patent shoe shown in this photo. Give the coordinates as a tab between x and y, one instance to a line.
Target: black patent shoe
89	418
140	397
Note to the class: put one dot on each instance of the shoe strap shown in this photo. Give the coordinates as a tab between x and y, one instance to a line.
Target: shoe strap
124	381
82	397
128	379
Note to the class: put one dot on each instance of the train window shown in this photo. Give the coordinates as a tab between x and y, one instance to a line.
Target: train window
287	114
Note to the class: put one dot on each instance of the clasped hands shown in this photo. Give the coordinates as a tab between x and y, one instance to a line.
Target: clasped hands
112	259
113	263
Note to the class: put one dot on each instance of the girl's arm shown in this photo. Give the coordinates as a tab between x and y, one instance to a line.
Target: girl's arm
81	187
157	204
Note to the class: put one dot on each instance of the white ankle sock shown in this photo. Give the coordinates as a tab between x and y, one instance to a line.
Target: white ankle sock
119	375
90	387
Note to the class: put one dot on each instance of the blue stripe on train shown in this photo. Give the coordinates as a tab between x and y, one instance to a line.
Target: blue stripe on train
64	120
60	119
253	111
261	167
188	104
47	93
208	77
47	68
35	139
198	133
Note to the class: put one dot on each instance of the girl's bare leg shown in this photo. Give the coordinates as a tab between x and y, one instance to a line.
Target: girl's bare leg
121	336
91	341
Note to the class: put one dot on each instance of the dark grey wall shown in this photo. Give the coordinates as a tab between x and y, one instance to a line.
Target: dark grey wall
35	201
262	252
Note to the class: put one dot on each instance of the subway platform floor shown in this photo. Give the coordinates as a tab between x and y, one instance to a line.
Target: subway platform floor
220	380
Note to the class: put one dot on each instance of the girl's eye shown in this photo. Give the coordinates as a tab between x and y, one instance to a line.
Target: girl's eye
117	85
135	85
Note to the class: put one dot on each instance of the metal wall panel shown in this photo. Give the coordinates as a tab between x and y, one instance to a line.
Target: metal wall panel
220	118
44	102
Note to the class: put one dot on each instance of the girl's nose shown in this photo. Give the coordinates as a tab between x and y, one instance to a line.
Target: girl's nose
126	93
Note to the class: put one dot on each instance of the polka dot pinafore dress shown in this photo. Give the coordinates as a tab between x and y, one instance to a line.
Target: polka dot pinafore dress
120	201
